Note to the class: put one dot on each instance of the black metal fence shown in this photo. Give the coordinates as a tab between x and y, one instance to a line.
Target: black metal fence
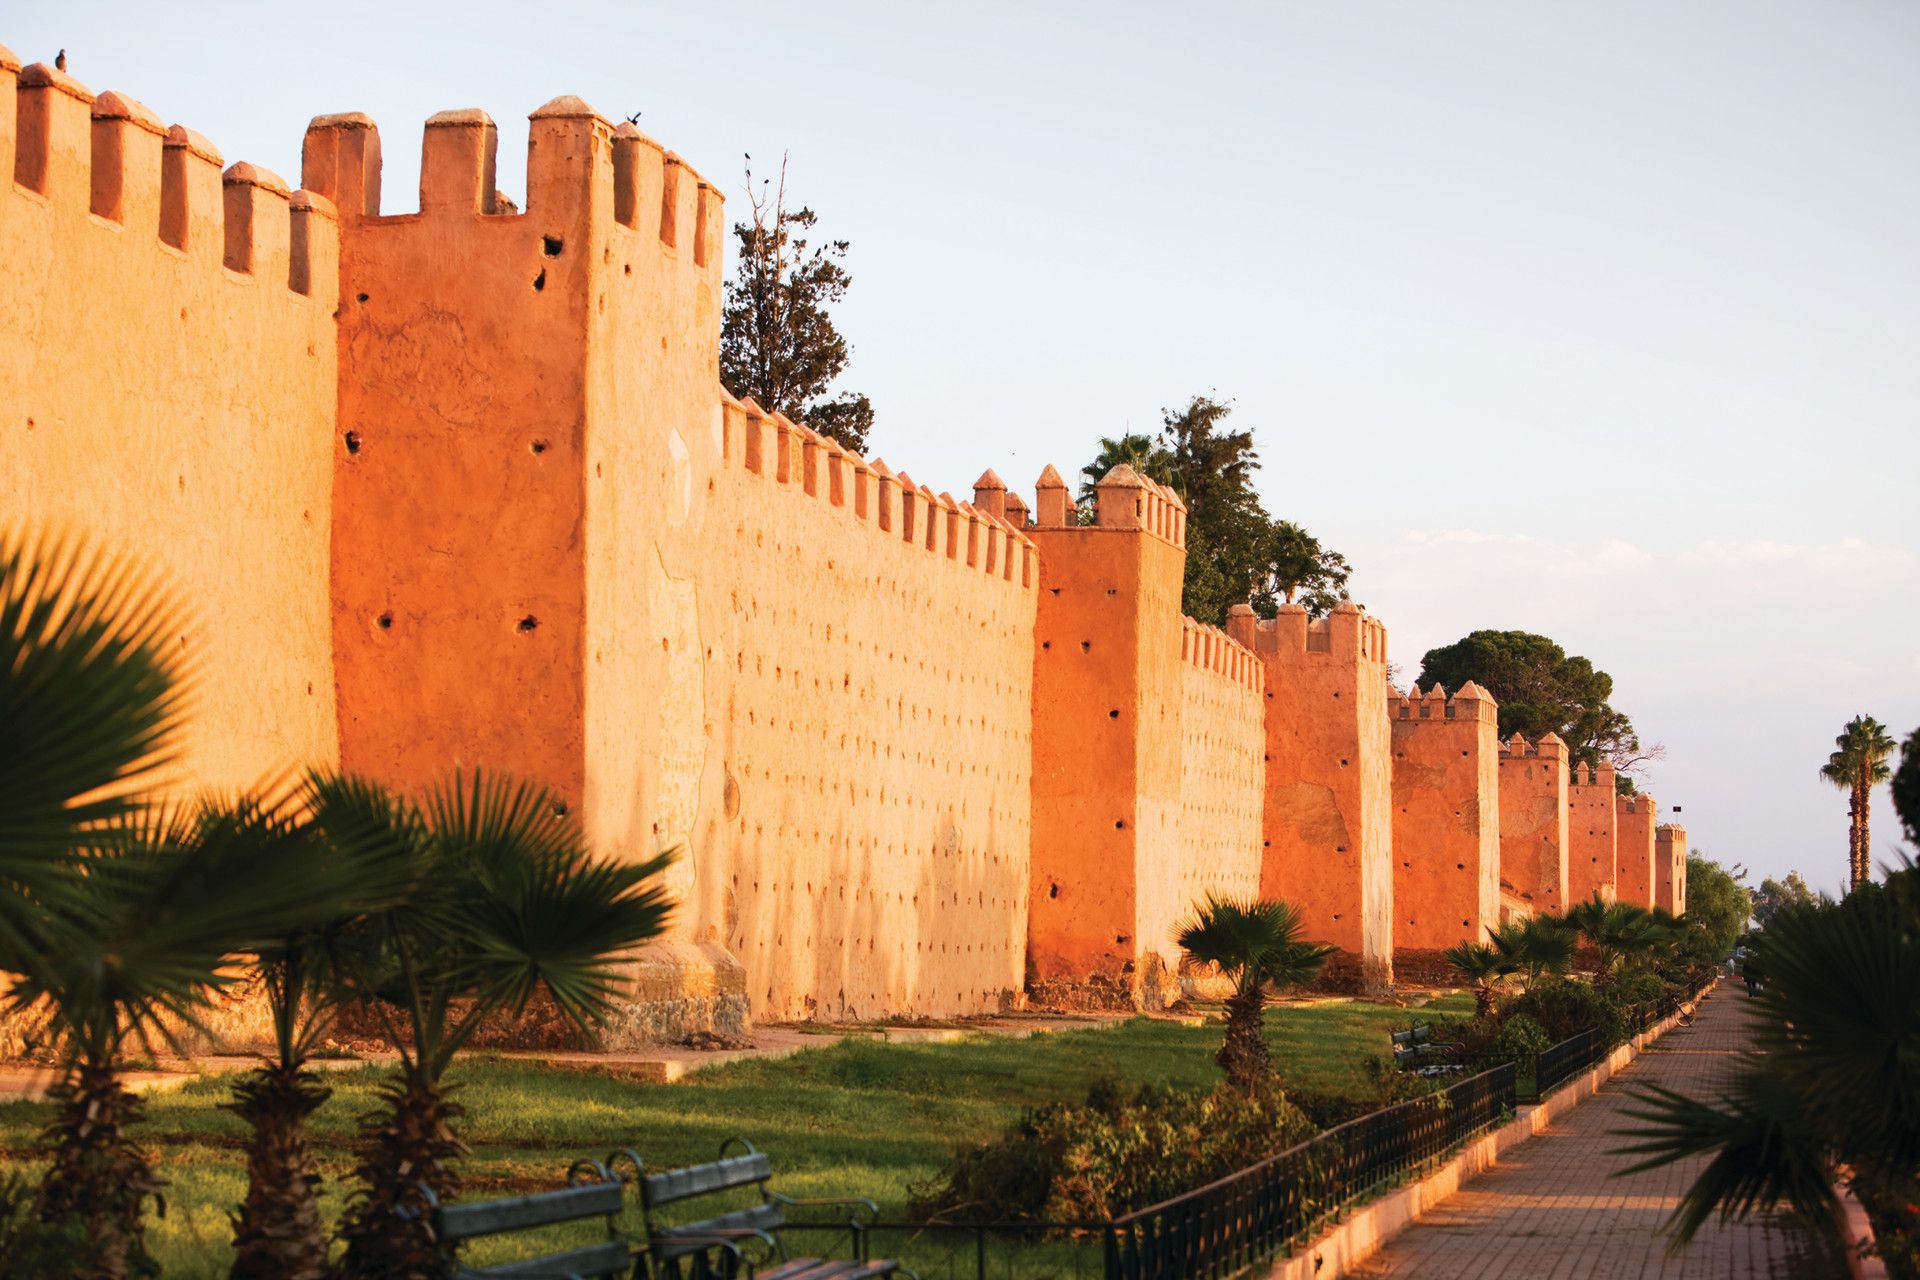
1284	1200
1553	1065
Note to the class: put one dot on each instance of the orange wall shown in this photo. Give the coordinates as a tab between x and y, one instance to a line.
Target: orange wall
1147	745
166	388
1635	817
1670	867
1328	833
1591	852
1534	834
1446	818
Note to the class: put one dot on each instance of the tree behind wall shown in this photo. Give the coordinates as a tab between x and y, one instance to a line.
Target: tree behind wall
778	344
1541	690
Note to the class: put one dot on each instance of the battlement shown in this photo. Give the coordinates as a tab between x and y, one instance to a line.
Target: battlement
891	504
1471	705
108	162
1550	747
1124	499
1592	776
1641	803
582	173
1671	831
1211	649
1348	632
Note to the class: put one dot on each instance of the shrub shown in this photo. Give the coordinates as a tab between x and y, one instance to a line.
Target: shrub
1520	1038
1637	991
1381	1084
1567	1007
1112	1154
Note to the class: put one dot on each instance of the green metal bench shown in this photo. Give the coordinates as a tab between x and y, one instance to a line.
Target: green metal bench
748	1241
1417	1051
591	1192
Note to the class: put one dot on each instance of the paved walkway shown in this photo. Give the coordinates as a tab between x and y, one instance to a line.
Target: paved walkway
1552	1209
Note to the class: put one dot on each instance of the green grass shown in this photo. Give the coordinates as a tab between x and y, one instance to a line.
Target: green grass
856	1118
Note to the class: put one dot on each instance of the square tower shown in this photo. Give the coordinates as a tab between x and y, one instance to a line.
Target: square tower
1591	849
1446	825
1328	830
1634	820
1670	866
1534	827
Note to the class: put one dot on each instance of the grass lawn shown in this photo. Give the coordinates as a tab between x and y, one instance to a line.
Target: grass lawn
856	1118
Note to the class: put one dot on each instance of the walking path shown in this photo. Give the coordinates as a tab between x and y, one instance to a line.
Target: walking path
1552	1209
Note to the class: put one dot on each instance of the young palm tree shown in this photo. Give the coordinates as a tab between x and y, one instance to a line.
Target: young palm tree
278	1231
1859	763
1834	1091
1484	969
1534	947
91	696
1257	945
1617	933
503	903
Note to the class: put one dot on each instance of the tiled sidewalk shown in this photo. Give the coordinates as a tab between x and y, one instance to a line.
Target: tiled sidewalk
1552	1209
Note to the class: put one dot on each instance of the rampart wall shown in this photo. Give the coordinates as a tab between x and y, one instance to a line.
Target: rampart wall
1670	866
166	392
1534	822
1592	848
1635	818
1327	831
1446	825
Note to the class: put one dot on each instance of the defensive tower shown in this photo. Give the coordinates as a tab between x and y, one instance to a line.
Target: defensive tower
1534	821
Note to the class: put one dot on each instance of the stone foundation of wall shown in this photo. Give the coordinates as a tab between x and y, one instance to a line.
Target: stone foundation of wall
1423	967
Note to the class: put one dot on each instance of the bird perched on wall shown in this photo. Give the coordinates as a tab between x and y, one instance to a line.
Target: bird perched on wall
60	60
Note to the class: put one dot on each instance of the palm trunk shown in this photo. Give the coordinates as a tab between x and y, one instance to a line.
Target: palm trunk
98	1177
407	1150
278	1233
1853	837
1244	1056
1485	1002
1863	869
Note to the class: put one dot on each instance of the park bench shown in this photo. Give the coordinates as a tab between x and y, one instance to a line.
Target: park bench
591	1192
1417	1051
749	1241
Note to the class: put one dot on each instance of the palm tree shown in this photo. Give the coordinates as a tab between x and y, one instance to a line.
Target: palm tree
91	697
1859	763
164	902
1535	947
1256	944
503	903
1834	1091
278	1232
1141	452
1617	932
1484	969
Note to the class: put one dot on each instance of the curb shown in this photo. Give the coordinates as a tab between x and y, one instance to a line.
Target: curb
1370	1226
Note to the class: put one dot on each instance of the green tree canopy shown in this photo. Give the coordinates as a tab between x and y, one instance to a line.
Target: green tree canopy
778	343
1906	787
1716	901
1236	552
1775	894
1542	690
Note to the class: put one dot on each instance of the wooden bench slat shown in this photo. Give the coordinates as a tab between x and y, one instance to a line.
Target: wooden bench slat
699	1235
609	1259
699	1179
490	1217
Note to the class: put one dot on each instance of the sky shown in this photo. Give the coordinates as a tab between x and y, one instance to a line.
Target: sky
1600	321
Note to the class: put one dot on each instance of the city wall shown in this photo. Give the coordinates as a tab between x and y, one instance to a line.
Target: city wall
166	394
1327	831
1446	826
1534	815
1670	866
1634	820
456	487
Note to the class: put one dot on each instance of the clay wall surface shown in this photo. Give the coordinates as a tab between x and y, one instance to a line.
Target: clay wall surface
1328	827
1446	819
1591	848
166	393
563	552
1534	822
1635	817
1216	847
1670	868
1146	746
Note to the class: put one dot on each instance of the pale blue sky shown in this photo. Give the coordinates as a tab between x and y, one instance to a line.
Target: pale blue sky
1598	320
